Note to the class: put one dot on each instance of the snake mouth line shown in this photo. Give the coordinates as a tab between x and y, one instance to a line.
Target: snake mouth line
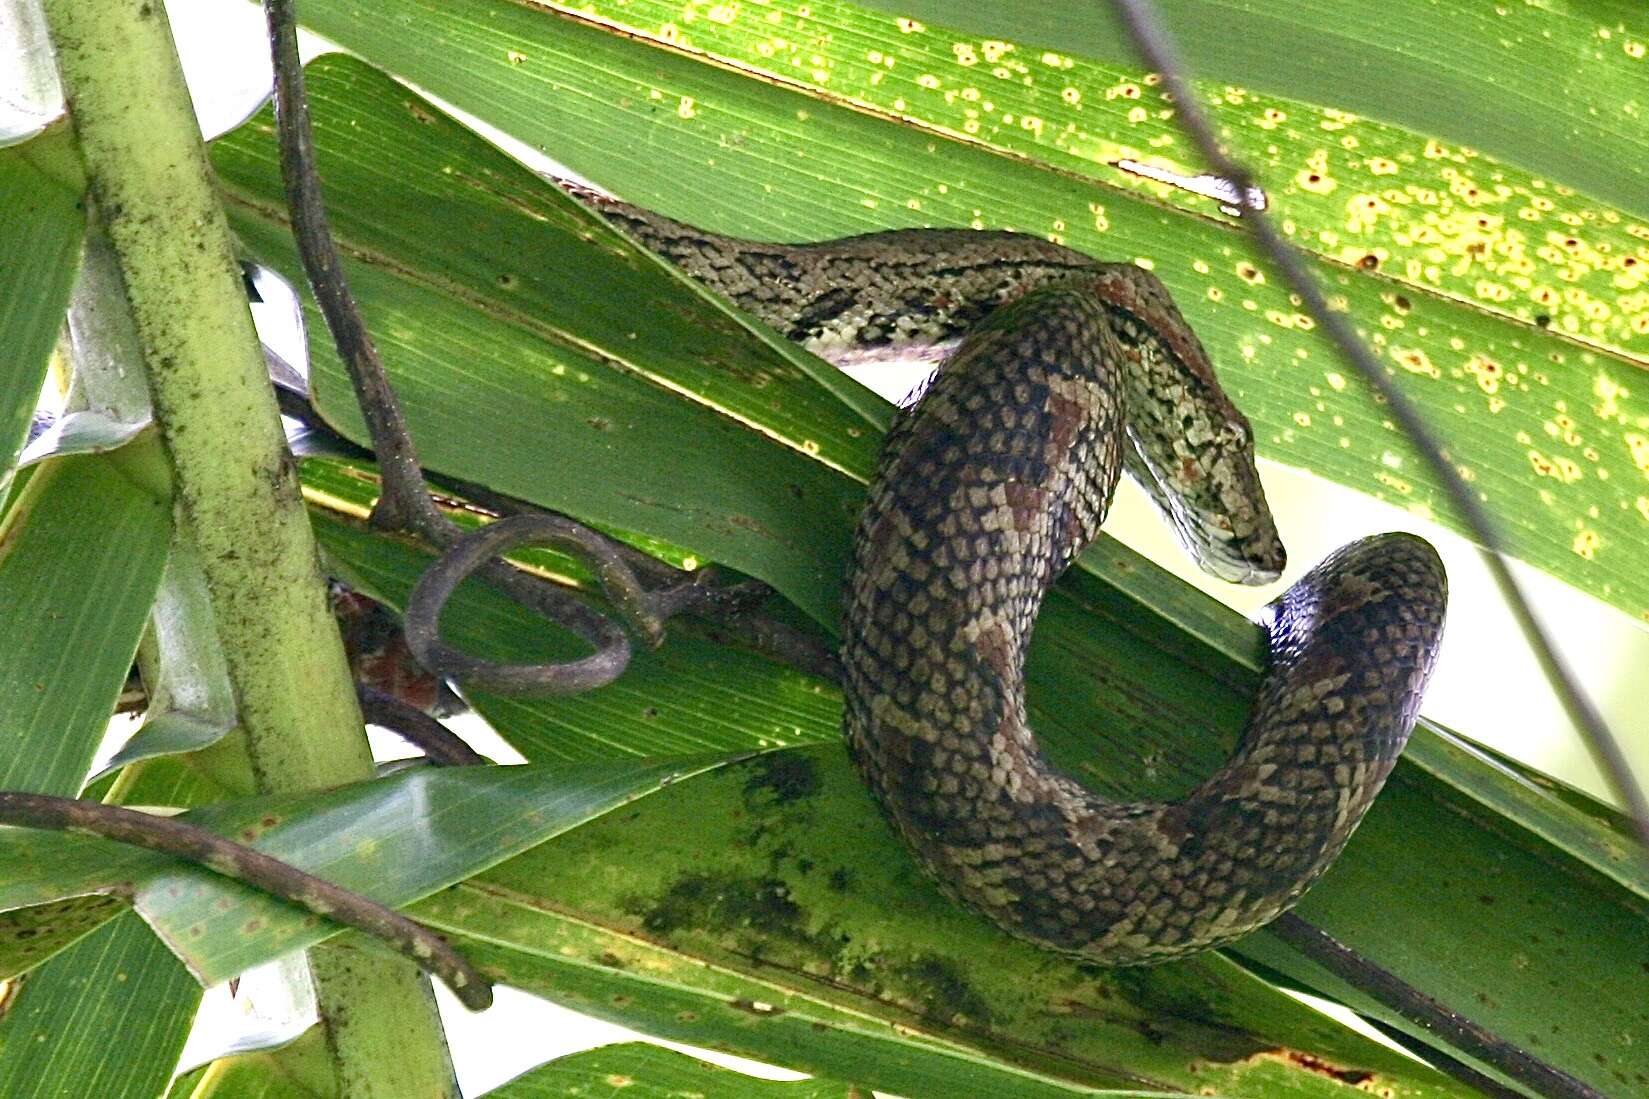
1201	540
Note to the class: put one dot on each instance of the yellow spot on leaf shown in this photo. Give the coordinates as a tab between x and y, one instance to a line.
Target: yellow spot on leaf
1317	182
1559	469
1364	211
1487	372
1396	484
1415	361
1607	391
1638	447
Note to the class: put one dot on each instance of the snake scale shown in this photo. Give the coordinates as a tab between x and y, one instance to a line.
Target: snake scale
1058	372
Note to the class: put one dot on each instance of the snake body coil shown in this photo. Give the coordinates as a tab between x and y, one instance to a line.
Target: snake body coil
1058	372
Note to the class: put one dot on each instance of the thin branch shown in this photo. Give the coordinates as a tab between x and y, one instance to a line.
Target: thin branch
1157	48
1422	1010
404	503
443	746
210	851
476	548
775	640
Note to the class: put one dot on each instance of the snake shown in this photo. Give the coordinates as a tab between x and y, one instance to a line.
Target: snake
1055	373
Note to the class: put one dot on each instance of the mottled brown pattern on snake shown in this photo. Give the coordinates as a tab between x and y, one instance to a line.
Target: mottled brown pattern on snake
1069	371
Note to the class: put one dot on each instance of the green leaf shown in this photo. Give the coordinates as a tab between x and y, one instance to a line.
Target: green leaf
1548	431
120	980
168	733
81	555
1431	216
765	909
191	702
1500	78
394	839
40	238
28	936
643	1071
300	1069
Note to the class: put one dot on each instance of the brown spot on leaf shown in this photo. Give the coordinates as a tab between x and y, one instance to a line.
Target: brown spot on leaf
1355	1077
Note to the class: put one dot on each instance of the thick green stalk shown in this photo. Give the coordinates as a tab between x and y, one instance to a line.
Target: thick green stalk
235	485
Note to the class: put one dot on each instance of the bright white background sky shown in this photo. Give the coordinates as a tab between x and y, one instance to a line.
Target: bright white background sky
1487	684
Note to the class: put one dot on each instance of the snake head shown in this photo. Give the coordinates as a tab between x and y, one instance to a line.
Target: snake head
1188	445
1210	494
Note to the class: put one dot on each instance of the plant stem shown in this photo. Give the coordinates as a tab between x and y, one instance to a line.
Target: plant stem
234	483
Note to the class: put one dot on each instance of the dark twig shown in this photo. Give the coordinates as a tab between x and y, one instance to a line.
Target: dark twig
1425	1012
404	503
775	640
443	746
1152	41
181	840
471	551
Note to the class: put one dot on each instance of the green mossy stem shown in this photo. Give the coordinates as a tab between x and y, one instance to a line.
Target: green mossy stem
235	485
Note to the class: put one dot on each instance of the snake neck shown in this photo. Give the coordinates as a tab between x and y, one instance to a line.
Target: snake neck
904	293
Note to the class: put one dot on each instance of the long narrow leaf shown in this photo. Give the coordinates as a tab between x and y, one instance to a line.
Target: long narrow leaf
1547	432
80	558
766	909
394	839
